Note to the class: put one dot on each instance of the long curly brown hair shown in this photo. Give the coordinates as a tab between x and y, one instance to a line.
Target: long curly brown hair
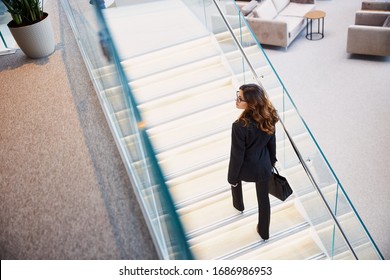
259	108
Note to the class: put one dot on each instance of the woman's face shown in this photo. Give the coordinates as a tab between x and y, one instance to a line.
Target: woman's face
240	100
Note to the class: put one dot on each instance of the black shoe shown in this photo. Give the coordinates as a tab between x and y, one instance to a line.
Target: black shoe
257	229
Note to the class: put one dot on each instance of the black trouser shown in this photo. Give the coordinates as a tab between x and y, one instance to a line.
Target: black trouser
263	203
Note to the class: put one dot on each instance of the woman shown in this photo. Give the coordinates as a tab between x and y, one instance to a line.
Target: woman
253	150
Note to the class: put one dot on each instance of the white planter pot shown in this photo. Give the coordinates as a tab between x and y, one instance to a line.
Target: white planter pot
35	40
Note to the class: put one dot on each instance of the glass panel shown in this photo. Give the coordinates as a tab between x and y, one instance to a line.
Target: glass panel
110	81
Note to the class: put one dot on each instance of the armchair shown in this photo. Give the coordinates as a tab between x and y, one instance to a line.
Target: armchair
370	35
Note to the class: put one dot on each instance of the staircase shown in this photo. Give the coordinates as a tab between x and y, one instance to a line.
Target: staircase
185	93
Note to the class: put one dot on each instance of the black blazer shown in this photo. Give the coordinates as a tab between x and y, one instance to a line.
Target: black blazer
252	155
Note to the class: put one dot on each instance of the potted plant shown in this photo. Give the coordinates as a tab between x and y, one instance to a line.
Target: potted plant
31	27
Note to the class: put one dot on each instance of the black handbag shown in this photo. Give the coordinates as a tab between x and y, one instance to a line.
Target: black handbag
279	186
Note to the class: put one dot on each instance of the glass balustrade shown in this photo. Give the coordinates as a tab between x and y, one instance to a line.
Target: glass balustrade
128	68
314	173
100	54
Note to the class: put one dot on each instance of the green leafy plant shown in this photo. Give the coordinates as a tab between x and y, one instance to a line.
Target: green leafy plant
24	12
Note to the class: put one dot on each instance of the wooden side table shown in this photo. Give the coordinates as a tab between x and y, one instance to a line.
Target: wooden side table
320	17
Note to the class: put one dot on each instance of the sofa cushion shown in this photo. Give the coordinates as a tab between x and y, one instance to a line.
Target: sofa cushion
265	10
387	22
297	10
248	8
294	24
376	6
280	4
371	18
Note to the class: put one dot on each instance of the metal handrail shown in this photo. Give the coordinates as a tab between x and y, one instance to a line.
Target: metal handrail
309	174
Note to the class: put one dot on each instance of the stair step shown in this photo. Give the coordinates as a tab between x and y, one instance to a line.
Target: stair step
227	43
182	78
170	58
200	183
194	155
158	61
215	148
202	124
242	32
229	238
298	178
238	63
364	252
300	246
162	60
142	27
334	244
292	122
193	128
315	209
173	57
286	154
211	180
116	98
215	209
185	103
267	78
195	97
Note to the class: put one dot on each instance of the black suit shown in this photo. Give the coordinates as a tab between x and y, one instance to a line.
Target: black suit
252	156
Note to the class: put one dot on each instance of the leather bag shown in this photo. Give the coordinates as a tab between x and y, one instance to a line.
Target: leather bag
279	186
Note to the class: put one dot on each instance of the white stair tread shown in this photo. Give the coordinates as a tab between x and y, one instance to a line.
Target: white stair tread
187	103
298	178
334	242
299	246
169	61
292	122
269	79
316	210
200	182
217	147
239	65
198	43
152	19
201	124
161	60
214	178
207	87
243	34
195	154
286	154
161	85
242	233
193	127
215	209
364	252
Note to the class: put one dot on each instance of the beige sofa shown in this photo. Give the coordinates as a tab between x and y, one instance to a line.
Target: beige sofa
376	5
370	35
277	22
